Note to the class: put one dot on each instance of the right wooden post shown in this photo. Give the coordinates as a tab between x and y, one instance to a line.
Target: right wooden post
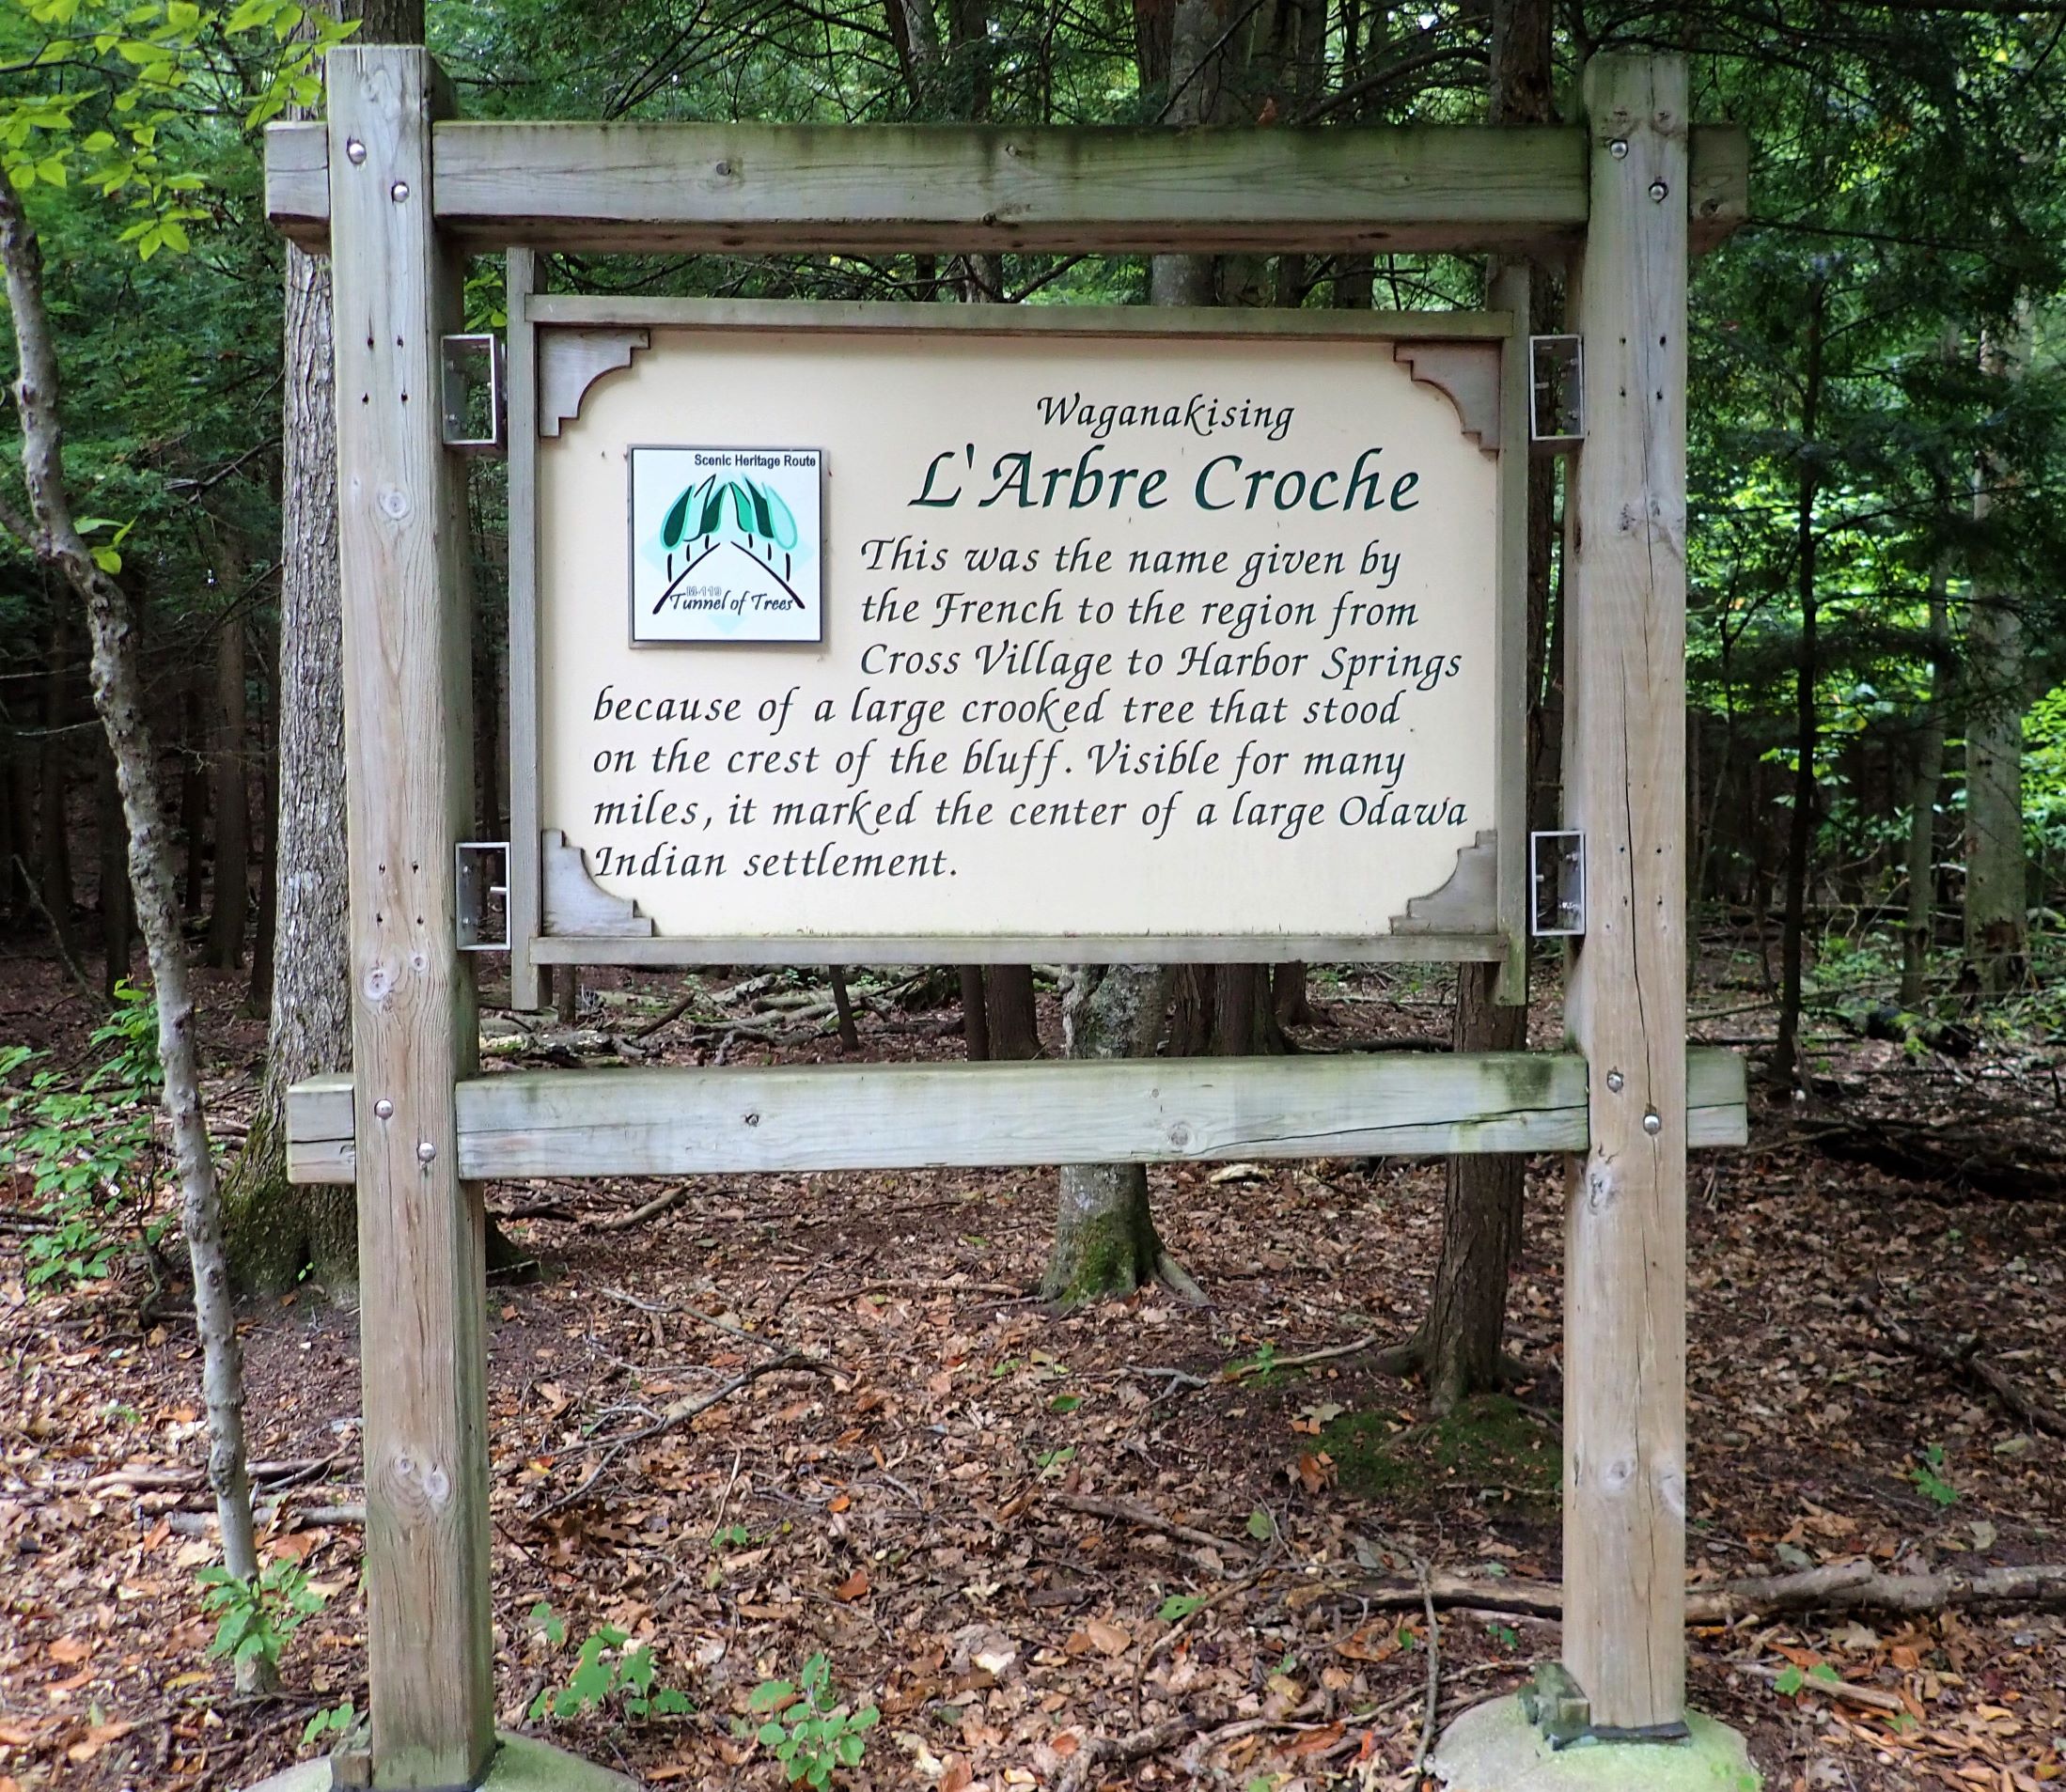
1624	786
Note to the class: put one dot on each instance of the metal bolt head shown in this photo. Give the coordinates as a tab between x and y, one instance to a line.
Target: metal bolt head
1615	1079
384	1108
1653	1122
398	191
355	152
1619	148
426	1152
1658	190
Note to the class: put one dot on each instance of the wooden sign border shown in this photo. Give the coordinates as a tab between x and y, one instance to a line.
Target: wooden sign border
609	331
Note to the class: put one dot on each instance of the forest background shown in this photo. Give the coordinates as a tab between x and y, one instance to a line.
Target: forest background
1878	696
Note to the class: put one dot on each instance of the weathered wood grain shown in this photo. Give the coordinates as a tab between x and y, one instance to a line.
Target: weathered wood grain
409	784
1081	948
1625	785
677	1122
690	188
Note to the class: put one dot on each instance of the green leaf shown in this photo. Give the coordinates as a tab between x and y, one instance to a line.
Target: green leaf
770	1695
1178	1606
1790	1682
1262	1526
771	1735
1825	1673
1065	1403
674	521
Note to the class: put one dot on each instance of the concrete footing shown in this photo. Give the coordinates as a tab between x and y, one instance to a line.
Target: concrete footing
1494	1748
521	1764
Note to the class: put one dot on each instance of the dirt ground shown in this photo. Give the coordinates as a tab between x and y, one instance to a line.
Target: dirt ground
931	1503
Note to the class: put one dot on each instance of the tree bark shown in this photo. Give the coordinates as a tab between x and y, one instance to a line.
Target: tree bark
230	789
277	1230
1014	1022
52	534
53	795
975	1014
118	906
1919	933
1105	1241
1800	837
1997	937
1459	1342
1288	1000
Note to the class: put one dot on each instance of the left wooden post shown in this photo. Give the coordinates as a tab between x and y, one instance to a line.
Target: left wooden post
409	784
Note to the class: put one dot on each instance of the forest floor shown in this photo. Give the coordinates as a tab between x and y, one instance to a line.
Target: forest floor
926	1511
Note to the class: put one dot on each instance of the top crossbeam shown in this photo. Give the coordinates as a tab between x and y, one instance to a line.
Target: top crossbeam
942	189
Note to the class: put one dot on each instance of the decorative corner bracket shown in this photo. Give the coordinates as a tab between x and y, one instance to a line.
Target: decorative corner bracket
573	902
1467	901
1464	373
572	361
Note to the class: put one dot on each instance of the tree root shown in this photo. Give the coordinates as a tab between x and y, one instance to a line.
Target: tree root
1180	1282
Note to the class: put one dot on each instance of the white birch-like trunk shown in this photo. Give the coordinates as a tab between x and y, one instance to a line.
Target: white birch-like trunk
50	532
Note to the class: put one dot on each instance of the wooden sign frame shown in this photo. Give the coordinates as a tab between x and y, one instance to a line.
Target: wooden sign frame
558	344
400	197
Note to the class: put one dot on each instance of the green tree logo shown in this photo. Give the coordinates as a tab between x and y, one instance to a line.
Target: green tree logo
738	512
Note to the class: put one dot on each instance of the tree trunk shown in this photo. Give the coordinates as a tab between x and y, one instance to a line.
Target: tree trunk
264	929
1014	1022
192	792
1288	1000
1997	939
118	904
1919	935
54	793
1104	1237
975	1014
276	1229
1800	836
117	695
229	790
1458	1342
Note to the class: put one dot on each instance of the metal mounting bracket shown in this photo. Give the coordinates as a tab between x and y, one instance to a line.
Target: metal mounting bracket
1557	1704
1557	883
481	911
471	370
1557	398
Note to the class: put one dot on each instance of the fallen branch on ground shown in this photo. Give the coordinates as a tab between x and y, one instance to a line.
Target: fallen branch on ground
1965	1359
1871	1697
1837	1586
679	1414
144	1478
1128	1512
646	1210
1109	1751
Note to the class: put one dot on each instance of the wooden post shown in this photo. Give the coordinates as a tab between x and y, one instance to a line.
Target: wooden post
408	701
1625	785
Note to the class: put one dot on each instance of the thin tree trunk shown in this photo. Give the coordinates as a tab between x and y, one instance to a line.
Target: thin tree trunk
975	1014
1458	1342
230	789
1289	999
51	533
277	1229
193	791
267	925
1014	1022
1928	773
1105	1241
54	792
1800	837
118	904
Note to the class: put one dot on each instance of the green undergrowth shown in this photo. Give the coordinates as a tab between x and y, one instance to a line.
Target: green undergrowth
1491	1445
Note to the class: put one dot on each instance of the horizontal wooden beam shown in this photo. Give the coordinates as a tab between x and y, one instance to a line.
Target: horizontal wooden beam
759	189
679	1121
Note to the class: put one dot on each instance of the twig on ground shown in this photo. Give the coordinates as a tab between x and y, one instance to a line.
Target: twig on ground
646	1210
679	1414
1128	1512
1842	1691
1105	1751
1176	1629
1965	1359
1434	1672
715	1324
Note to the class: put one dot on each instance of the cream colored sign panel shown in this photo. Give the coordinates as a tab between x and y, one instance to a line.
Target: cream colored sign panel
1168	636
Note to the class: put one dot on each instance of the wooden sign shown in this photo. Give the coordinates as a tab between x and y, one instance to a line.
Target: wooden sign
1163	636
